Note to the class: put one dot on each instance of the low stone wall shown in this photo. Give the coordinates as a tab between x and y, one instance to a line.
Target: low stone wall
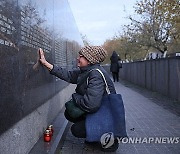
160	75
23	135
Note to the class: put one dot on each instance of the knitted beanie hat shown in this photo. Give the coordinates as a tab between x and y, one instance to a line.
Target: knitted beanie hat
94	54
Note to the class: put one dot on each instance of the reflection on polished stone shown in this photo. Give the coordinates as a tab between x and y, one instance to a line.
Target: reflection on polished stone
25	26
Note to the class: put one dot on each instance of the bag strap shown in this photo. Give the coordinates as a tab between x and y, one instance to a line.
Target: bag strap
107	88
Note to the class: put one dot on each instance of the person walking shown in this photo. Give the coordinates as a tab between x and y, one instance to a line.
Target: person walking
114	67
90	86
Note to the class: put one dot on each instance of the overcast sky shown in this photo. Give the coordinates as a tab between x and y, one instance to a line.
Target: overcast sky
101	19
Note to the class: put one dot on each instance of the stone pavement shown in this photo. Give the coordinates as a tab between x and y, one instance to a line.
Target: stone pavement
144	119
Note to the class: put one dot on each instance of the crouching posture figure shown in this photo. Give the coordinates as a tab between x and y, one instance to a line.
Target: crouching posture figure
90	88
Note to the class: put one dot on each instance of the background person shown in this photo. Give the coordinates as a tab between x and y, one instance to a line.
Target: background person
114	68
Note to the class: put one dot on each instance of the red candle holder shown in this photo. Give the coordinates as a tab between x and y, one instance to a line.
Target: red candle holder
47	136
50	128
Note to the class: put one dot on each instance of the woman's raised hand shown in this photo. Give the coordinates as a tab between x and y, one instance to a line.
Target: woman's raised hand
43	60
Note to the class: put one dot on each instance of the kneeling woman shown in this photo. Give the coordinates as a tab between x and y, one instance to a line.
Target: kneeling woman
90	85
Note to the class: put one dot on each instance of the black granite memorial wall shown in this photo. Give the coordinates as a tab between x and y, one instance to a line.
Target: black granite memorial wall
25	26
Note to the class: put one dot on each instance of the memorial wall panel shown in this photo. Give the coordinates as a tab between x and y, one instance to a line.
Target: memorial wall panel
25	26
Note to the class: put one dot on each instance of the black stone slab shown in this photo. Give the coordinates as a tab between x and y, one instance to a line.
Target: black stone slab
26	26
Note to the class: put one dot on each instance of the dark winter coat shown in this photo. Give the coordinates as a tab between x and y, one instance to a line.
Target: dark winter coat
88	96
114	68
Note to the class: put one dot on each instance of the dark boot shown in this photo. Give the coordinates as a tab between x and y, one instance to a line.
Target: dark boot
112	148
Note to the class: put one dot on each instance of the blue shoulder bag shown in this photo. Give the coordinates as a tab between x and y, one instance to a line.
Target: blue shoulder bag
109	118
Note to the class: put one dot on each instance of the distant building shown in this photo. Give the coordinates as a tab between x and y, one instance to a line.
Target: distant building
155	55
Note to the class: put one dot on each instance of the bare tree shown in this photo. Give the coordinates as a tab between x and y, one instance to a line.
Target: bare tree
155	25
85	40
